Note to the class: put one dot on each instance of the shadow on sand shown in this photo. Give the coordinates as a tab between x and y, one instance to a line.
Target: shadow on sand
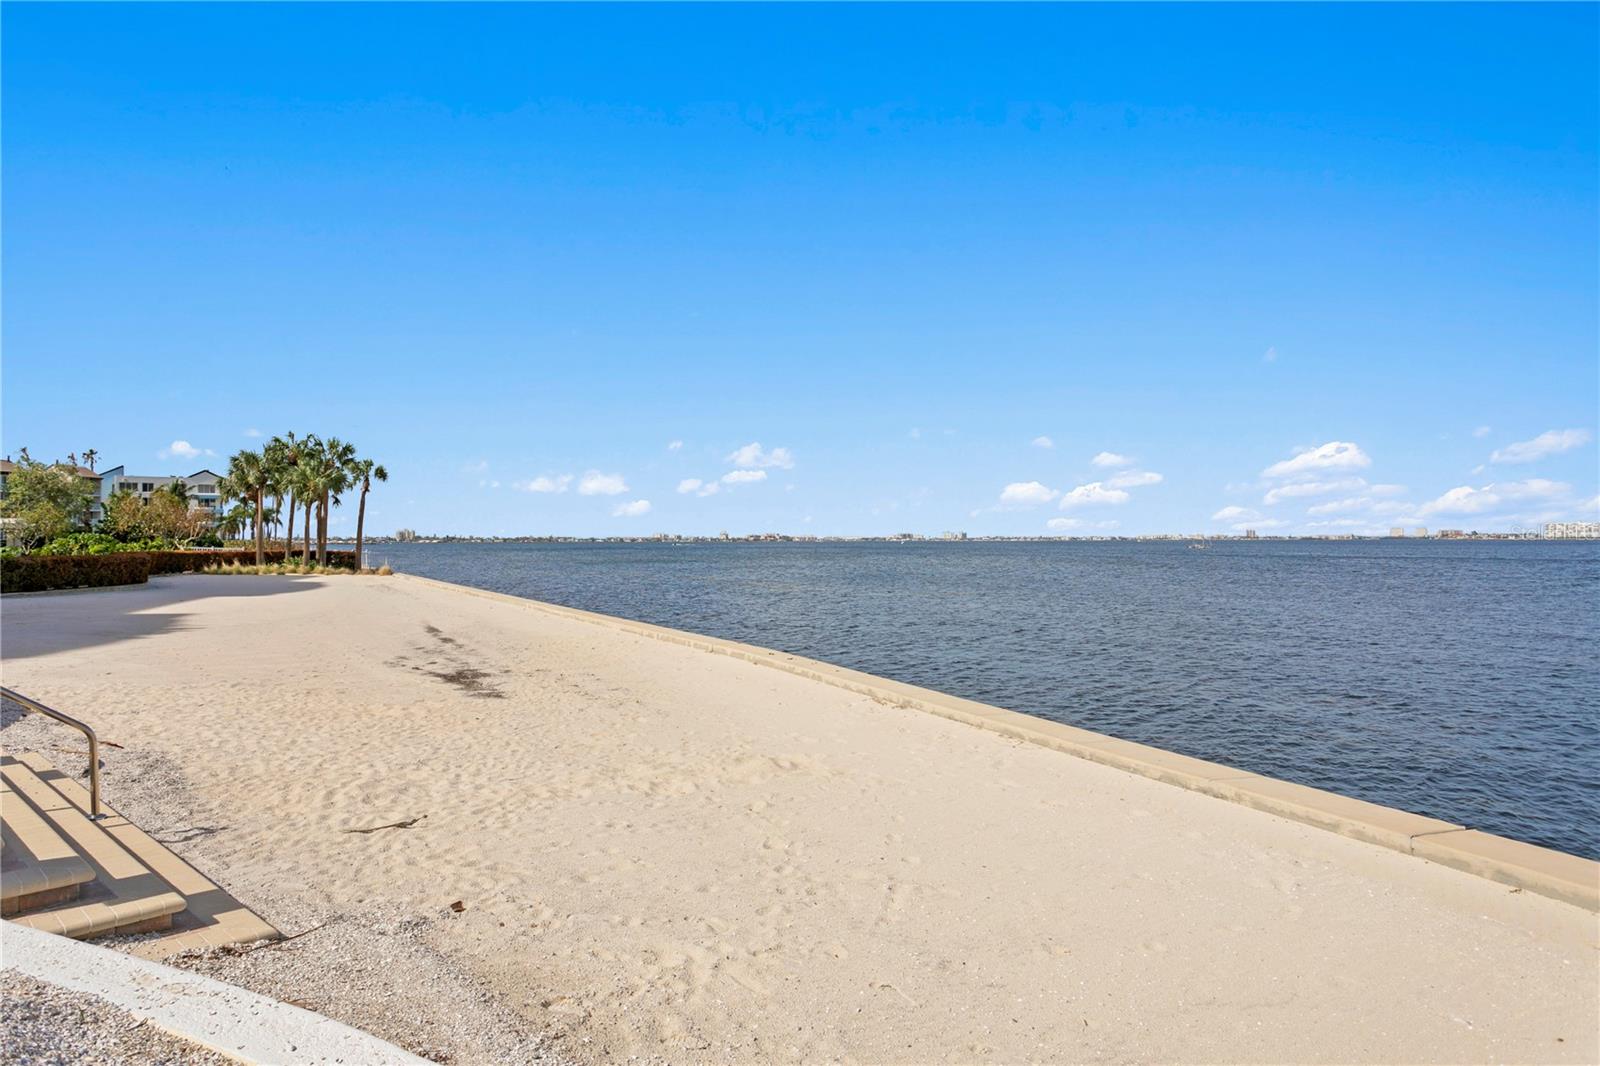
47	622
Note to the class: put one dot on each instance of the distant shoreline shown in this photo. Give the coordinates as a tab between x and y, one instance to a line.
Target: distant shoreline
786	538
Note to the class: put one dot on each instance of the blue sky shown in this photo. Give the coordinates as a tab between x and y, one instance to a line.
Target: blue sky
861	269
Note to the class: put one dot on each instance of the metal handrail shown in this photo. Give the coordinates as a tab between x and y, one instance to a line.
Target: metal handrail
83	727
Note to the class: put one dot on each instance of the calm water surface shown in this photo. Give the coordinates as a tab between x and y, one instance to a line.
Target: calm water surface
1455	679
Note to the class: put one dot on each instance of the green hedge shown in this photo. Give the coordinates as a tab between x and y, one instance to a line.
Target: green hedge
181	562
36	573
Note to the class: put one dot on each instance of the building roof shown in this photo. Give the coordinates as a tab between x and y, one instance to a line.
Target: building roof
7	466
121	473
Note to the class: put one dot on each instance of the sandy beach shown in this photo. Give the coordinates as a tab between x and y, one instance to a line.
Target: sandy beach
674	855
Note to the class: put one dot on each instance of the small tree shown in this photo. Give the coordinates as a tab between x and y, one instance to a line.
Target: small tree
124	516
45	501
170	517
364	470
250	478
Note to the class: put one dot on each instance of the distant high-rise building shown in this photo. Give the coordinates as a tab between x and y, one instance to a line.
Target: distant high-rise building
1397	531
1249	534
1421	531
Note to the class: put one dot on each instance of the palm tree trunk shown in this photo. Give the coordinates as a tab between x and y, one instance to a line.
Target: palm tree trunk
261	554
305	555
322	531
288	531
361	521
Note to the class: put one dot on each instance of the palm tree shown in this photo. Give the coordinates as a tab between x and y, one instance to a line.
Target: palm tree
304	486
286	451
363	471
90	457
233	521
249	477
331	475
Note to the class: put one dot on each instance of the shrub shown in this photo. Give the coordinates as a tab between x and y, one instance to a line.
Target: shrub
36	573
179	562
39	571
100	544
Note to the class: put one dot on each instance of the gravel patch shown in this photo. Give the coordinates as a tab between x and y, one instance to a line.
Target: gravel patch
42	1025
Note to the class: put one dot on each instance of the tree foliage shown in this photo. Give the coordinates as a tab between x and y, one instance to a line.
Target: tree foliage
45	501
165	517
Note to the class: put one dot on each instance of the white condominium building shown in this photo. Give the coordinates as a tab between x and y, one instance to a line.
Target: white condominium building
200	486
1572	531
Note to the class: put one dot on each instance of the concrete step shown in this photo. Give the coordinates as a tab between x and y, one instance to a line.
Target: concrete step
210	918
124	896
37	867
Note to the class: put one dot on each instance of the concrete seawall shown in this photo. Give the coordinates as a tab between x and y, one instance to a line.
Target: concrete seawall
1558	875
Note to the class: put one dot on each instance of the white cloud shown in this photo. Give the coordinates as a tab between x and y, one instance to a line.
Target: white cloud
631	510
182	449
1061	525
698	487
1387	490
1464	499
252	432
1133	479
1481	432
475	468
594	483
1043	442
743	477
1334	455
1353	503
545	483
1271	356
1313	488
1109	459
1356	524
752	456
1092	493
674	446
1235	513
1027	493
914	433
1550	442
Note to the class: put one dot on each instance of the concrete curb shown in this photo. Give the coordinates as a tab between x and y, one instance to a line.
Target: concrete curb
1568	878
226	1019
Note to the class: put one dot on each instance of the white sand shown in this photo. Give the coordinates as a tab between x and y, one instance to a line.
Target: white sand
672	854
